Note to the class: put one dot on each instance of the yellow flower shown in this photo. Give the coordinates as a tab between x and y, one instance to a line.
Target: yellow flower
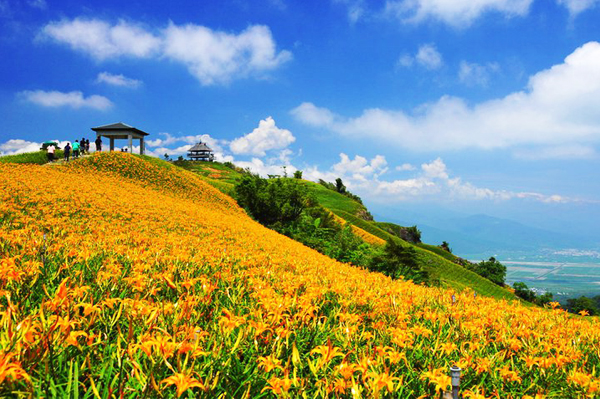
183	382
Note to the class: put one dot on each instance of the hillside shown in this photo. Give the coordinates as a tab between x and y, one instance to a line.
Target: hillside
128	278
440	264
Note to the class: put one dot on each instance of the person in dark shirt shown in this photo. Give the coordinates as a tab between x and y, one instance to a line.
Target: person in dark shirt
98	144
67	151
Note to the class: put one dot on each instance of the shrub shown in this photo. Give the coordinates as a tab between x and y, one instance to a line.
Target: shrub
396	260
491	269
270	201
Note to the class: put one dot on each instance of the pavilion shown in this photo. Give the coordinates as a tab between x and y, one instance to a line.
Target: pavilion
121	131
201	152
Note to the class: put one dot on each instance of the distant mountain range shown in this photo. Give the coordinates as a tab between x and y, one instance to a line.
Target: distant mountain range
481	236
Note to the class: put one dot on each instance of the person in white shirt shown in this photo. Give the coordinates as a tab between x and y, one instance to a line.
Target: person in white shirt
50	151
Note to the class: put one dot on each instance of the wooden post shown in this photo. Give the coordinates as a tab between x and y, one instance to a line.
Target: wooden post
112	144
142	148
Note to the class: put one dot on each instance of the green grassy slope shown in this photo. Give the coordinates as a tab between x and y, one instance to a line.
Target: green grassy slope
37	157
437	261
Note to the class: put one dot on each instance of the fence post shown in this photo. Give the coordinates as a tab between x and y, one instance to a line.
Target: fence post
455	375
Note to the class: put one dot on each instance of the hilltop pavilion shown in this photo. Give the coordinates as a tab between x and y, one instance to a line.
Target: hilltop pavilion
121	131
201	152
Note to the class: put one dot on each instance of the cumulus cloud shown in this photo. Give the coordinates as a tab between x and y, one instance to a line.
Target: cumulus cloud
73	99
117	80
217	57
427	56
17	146
432	180
577	6
102	40
473	74
458	14
262	139
558	107
213	57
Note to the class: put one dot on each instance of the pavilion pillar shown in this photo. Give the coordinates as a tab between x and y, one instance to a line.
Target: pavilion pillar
112	144
130	139
142	149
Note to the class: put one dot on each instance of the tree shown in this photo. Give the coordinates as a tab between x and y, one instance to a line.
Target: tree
396	260
582	303
446	246
167	157
411	234
271	201
491	269
180	158
522	291
339	186
298	174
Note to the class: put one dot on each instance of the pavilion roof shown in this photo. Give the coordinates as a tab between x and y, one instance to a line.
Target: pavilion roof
117	127
200	147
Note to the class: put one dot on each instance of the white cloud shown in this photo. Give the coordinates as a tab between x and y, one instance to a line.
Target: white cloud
427	56
17	146
258	166
455	13
356	9
432	180
435	169
405	60
313	115
118	80
60	99
218	57
559	106
473	74
102	40
213	57
564	152
262	139
406	167
577	6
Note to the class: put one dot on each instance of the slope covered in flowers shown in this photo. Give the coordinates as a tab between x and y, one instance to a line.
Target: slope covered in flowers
121	280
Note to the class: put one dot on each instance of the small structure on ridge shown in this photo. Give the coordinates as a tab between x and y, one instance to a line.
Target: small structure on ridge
201	152
121	131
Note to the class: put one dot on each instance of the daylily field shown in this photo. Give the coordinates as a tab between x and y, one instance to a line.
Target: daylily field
123	278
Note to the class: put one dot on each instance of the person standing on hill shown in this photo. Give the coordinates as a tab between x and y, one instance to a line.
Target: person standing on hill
87	146
98	144
76	148
50	149
67	151
82	146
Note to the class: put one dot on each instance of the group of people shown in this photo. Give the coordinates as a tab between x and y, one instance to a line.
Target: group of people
77	148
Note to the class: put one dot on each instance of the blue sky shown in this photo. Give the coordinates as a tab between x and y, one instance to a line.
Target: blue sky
479	106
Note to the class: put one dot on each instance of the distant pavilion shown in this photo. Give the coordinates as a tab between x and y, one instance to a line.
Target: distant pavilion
201	152
121	131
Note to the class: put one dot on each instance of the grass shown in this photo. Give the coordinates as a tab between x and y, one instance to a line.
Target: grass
333	200
37	157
